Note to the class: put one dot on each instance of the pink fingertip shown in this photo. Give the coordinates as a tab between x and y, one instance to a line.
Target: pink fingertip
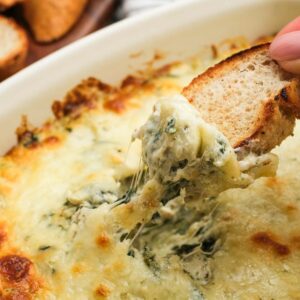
286	47
292	26
292	66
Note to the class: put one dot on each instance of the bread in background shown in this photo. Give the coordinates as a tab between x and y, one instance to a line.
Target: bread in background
4	4
51	19
14	47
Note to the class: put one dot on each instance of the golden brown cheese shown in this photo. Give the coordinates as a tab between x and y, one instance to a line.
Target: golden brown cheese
63	185
86	147
261	250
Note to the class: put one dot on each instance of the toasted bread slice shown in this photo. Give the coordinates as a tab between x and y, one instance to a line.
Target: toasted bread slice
249	98
51	19
14	47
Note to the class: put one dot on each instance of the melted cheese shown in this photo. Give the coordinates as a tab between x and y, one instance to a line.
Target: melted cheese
66	210
180	148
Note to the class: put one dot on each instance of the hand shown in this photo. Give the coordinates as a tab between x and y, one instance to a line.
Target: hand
286	47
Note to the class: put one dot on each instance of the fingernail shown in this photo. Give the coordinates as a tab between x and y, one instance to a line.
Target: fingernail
292	66
286	46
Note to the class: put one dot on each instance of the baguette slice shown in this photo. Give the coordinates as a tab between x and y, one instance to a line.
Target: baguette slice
14	47
249	98
51	19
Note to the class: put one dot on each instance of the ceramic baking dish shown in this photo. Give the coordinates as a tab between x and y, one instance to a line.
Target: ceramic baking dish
178	31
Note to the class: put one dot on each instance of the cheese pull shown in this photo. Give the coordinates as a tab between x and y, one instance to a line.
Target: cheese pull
183	152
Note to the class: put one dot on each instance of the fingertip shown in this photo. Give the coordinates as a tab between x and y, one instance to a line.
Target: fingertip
291	26
292	66
286	47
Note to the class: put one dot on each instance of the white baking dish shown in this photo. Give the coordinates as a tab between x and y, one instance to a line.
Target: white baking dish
178	30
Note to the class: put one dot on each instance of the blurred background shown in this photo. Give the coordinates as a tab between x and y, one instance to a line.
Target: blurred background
32	29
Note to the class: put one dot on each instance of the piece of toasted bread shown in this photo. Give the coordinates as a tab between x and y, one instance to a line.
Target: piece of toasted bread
14	47
249	98
51	19
4	4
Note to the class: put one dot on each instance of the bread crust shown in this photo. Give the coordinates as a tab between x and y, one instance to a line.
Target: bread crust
15	60
49	20
275	120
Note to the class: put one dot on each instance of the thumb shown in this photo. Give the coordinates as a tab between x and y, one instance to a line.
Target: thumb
292	66
286	50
